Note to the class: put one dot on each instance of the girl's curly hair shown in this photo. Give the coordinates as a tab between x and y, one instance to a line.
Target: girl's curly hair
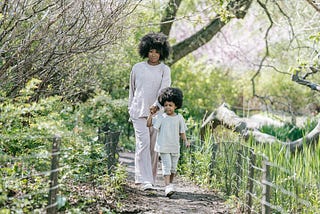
156	41
170	94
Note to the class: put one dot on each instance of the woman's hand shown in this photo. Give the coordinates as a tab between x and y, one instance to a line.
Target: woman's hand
153	109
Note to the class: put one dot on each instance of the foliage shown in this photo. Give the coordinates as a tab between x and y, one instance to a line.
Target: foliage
27	130
55	41
223	164
284	96
104	112
289	132
204	88
22	119
300	177
58	46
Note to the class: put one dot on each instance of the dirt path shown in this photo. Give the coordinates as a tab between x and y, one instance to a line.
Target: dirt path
189	198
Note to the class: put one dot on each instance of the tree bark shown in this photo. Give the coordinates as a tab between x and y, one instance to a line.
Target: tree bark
302	80
237	7
315	5
169	16
224	116
310	139
195	41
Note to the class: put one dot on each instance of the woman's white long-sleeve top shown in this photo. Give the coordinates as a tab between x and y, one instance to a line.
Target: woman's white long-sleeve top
146	82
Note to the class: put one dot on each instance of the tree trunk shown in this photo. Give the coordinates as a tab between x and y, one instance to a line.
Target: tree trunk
224	116
238	7
197	40
311	138
169	16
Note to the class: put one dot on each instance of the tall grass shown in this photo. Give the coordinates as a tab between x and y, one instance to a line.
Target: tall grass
221	161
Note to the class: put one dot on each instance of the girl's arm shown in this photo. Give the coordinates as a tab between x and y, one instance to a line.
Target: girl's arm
184	138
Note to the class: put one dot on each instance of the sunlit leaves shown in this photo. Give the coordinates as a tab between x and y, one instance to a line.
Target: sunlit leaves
204	88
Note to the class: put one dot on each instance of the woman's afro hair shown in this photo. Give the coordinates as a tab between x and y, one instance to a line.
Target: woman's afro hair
170	94
156	41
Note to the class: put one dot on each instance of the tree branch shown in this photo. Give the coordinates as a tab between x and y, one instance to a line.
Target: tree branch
237	7
169	16
44	40
224	116
195	41
314	5
266	46
302	80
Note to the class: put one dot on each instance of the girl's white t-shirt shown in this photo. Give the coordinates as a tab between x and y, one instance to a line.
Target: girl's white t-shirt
169	128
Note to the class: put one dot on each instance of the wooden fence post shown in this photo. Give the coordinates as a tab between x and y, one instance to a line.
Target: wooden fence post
238	171
111	143
52	199
182	151
265	208
252	161
191	155
214	149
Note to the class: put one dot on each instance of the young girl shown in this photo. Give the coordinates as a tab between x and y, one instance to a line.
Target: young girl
147	78
171	126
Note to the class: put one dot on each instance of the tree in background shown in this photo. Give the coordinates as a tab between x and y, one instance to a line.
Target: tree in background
74	47
275	38
54	41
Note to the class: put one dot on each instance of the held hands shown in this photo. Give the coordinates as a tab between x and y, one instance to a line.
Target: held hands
153	109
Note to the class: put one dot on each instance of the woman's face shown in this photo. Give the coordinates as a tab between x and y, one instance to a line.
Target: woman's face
154	57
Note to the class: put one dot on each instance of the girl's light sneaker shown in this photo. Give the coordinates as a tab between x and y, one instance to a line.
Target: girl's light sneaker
169	190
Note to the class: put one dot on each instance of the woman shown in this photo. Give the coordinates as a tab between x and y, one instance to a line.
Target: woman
147	79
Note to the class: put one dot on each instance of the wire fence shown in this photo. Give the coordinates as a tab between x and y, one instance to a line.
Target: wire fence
258	184
32	182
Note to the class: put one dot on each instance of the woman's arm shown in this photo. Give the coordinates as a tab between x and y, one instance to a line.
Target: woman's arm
149	120
131	88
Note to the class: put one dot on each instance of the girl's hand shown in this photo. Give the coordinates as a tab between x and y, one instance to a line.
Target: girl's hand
187	144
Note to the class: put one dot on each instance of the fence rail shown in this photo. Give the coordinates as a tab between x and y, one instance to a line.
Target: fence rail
260	185
39	177
256	182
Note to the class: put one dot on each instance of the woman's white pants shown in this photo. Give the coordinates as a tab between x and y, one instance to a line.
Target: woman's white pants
146	159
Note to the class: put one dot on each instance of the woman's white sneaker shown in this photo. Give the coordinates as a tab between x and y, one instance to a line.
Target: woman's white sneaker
147	186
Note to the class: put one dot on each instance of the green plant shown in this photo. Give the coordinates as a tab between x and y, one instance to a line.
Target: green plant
288	132
204	88
294	177
102	111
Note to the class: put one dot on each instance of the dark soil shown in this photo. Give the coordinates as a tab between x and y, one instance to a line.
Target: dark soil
189	198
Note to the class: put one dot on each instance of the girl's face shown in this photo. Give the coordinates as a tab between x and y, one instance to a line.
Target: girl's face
169	107
154	57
